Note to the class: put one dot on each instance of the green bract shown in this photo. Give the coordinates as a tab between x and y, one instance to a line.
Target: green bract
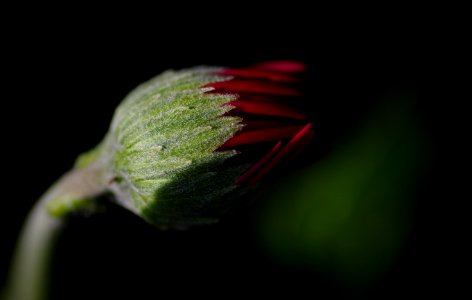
159	157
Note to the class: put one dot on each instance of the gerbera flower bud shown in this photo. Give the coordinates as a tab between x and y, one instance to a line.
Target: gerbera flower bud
180	149
185	144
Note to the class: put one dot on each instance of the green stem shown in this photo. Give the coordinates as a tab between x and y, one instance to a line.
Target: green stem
29	273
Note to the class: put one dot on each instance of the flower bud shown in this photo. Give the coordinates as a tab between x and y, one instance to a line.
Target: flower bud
184	145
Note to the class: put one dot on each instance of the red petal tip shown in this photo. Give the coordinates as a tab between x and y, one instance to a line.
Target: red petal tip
261	136
257	87
252	73
283	66
294	145
257	166
268	109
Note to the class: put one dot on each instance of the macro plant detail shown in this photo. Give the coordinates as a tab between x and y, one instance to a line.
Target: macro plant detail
180	151
180	142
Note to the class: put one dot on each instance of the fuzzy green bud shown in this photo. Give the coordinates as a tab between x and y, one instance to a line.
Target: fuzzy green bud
166	156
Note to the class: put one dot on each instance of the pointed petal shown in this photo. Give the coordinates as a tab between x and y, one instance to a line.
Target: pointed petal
258	87
251	73
299	140
268	108
250	125
283	66
263	135
257	166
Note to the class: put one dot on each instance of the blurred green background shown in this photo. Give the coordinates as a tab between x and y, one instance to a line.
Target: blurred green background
348	215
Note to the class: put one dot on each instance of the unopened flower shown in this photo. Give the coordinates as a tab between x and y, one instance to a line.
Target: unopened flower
187	143
180	150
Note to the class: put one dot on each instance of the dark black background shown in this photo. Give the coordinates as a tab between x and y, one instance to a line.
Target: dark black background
63	79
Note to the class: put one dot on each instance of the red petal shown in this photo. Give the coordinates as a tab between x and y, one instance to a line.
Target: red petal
258	74
269	109
262	135
250	125
259	87
256	167
290	67
298	141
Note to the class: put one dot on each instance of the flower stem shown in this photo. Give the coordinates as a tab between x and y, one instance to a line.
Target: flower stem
29	274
